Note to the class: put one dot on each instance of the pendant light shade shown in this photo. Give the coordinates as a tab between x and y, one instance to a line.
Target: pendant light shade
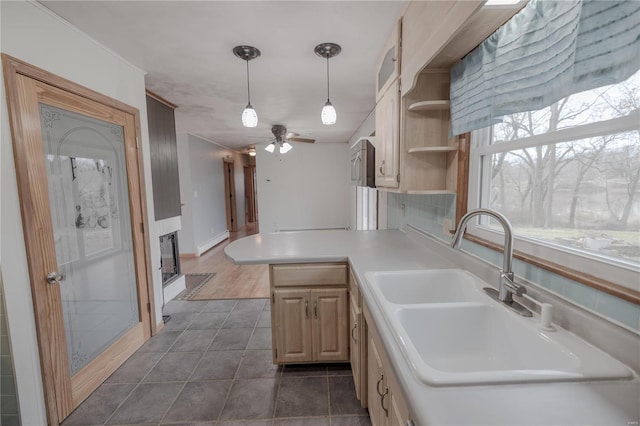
247	53
249	117
285	147
328	50
328	114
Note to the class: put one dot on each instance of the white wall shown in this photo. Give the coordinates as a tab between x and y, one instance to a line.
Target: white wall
204	220
306	188
367	128
33	34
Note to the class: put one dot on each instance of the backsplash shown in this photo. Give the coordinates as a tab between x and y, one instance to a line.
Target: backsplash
428	213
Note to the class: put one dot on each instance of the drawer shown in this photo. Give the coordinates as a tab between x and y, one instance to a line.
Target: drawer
309	274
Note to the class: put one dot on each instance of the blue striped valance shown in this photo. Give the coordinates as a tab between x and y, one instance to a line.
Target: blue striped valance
548	51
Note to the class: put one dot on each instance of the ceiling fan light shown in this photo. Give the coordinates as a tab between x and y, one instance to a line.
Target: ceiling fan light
249	117
271	147
285	147
328	114
252	152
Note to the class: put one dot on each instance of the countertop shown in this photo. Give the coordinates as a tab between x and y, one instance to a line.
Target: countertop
580	403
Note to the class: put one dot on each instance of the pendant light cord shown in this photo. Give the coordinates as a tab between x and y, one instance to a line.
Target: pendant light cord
327	79
248	90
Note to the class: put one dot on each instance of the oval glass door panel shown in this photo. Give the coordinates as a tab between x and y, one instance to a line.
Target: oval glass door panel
87	179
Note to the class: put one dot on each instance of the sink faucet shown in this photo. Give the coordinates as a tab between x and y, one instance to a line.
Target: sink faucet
507	286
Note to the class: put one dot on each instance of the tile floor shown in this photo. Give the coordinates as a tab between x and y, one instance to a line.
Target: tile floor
211	365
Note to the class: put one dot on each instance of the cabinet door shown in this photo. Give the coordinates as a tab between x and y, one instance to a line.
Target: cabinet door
388	138
292	327
388	66
398	412
330	322
354	343
377	389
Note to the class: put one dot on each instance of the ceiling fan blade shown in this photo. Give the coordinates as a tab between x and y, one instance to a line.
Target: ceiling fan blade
304	140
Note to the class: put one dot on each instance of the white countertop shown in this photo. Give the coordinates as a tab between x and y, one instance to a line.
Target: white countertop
595	403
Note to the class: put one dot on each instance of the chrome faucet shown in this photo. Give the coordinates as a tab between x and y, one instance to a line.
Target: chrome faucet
507	286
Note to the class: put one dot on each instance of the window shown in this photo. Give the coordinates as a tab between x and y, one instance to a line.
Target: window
568	178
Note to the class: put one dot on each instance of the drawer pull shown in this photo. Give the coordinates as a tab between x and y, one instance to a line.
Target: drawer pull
378	384
386	411
315	309
355	326
306	308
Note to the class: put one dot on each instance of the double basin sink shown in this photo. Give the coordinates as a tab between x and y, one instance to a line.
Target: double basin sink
452	333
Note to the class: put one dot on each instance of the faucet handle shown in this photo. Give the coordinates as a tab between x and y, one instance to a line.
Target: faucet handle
511	285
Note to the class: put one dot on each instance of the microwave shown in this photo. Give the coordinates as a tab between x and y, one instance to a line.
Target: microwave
363	162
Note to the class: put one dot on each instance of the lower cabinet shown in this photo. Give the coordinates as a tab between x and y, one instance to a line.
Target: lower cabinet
309	323
387	405
357	341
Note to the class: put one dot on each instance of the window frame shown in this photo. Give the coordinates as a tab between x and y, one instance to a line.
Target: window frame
617	278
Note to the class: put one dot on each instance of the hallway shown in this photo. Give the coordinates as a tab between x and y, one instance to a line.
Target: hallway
212	365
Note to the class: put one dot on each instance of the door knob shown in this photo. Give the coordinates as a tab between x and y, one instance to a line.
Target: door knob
54	278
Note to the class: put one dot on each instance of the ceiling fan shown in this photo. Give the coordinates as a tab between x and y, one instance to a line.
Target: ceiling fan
282	139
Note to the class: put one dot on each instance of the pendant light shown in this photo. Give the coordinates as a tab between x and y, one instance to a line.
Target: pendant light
328	50
247	53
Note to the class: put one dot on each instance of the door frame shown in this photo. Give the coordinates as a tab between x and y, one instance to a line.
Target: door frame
33	221
230	194
250	194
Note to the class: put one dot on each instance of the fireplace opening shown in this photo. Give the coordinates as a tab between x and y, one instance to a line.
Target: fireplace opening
169	258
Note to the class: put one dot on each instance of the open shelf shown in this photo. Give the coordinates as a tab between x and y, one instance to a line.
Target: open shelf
432	149
438	105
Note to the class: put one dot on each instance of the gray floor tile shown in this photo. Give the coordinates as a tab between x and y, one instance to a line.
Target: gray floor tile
180	321
176	306
246	423
161	342
135	368
194	341
231	339
261	339
302	396
220	305
147	403
265	319
258	364
174	367
350	421
241	319
96	409
249	305
342	396
199	402
339	369
217	365
312	421
251	399
208	321
303	370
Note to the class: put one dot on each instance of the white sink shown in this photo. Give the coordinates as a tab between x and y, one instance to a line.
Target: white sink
426	286
451	333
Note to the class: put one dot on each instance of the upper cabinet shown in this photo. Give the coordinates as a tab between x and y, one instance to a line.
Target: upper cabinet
164	157
388	66
414	153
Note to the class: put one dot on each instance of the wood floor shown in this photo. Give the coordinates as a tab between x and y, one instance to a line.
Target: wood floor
231	281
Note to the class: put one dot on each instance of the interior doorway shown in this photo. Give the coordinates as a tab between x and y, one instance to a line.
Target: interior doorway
250	195
230	195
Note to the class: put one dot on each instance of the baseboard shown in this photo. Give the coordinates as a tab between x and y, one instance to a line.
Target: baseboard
188	255
159	327
212	243
175	288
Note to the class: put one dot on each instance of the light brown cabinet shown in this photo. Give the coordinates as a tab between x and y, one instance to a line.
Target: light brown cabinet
388	138
357	343
309	313
386	403
388	66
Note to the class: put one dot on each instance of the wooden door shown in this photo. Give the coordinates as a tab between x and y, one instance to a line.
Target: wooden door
250	193
82	201
354	345
230	195
292	326
330	322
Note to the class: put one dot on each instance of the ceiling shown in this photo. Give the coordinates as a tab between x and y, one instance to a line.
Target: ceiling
186	49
